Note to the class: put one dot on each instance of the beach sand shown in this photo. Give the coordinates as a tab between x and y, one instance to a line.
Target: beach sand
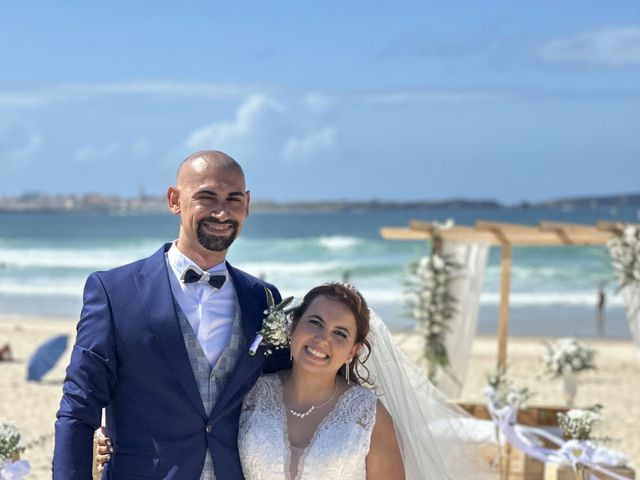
615	385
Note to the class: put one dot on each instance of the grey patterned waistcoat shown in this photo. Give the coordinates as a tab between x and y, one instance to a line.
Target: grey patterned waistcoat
211	380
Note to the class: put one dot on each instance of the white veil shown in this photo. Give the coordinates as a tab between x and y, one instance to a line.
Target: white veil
438	440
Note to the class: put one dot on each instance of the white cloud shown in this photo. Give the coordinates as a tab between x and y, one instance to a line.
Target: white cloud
92	154
314	102
432	96
264	128
310	143
141	148
75	92
138	149
22	100
254	118
33	142
317	102
610	46
18	142
157	87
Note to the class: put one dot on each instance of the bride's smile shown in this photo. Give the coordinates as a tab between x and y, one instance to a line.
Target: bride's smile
317	354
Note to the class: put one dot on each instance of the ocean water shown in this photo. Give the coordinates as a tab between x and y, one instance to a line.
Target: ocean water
45	259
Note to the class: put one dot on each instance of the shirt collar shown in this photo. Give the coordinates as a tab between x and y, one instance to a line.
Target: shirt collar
178	261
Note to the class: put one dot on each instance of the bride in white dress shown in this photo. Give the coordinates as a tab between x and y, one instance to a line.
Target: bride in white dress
312	423
328	417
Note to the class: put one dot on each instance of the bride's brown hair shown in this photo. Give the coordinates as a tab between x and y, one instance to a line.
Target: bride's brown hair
347	295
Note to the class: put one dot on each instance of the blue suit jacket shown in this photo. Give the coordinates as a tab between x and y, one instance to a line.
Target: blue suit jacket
130	357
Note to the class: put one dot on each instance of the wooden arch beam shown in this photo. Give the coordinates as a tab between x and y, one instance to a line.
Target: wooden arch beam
506	236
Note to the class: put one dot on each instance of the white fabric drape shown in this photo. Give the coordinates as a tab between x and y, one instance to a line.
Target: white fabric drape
466	288
624	251
631	298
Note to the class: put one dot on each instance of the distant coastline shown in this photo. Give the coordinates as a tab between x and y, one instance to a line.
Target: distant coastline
94	203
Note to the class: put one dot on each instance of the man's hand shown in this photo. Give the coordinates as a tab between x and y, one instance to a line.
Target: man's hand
104	449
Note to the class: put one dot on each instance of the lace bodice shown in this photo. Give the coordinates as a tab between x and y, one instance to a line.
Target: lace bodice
337	450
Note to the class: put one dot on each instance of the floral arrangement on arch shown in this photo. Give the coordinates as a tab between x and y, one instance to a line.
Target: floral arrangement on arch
501	391
567	355
430	303
624	250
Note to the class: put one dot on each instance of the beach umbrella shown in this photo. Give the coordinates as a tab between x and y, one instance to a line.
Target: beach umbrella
46	356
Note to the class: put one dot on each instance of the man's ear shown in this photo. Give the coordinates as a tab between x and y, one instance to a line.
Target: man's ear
248	197
173	199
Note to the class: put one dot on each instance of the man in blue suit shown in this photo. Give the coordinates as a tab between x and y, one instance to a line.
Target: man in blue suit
163	344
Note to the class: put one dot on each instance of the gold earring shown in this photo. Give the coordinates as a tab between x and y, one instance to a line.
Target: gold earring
347	364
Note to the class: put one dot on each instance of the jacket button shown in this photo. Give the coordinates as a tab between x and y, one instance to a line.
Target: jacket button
209	428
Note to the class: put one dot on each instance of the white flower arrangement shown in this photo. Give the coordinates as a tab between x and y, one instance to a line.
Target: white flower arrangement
276	327
624	250
10	441
11	447
580	424
501	391
503	402
567	355
429	302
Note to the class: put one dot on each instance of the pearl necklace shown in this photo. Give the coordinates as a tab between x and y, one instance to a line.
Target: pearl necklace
313	407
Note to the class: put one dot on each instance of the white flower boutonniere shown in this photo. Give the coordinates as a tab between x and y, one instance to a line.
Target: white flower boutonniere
276	327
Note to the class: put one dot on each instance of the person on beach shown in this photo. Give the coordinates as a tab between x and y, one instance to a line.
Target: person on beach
162	343
600	309
5	353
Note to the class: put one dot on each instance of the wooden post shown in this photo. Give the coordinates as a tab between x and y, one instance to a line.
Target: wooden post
498	229
503	324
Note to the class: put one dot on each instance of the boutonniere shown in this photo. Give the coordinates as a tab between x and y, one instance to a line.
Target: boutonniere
276	327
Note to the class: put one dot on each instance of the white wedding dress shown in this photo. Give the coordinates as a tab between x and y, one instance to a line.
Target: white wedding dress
337	450
437	440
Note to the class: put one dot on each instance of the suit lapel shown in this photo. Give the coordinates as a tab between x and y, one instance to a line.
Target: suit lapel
250	304
251	307
156	296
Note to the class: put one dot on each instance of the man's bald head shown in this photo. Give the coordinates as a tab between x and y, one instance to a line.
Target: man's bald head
211	198
200	161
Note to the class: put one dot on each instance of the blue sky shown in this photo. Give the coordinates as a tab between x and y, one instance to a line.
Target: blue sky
512	100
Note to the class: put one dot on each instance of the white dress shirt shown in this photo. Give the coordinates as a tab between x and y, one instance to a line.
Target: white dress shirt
210	311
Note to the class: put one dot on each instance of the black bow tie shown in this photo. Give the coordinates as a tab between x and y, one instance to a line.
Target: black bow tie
192	275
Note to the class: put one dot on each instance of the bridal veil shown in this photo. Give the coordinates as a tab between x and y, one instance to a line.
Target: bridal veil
438	440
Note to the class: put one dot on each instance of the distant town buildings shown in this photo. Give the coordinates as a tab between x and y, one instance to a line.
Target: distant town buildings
40	202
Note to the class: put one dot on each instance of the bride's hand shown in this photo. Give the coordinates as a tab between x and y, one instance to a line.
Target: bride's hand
104	449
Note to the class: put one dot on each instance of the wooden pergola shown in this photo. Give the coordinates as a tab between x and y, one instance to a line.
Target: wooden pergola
506	236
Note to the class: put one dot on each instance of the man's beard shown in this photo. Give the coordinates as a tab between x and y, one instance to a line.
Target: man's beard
214	242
